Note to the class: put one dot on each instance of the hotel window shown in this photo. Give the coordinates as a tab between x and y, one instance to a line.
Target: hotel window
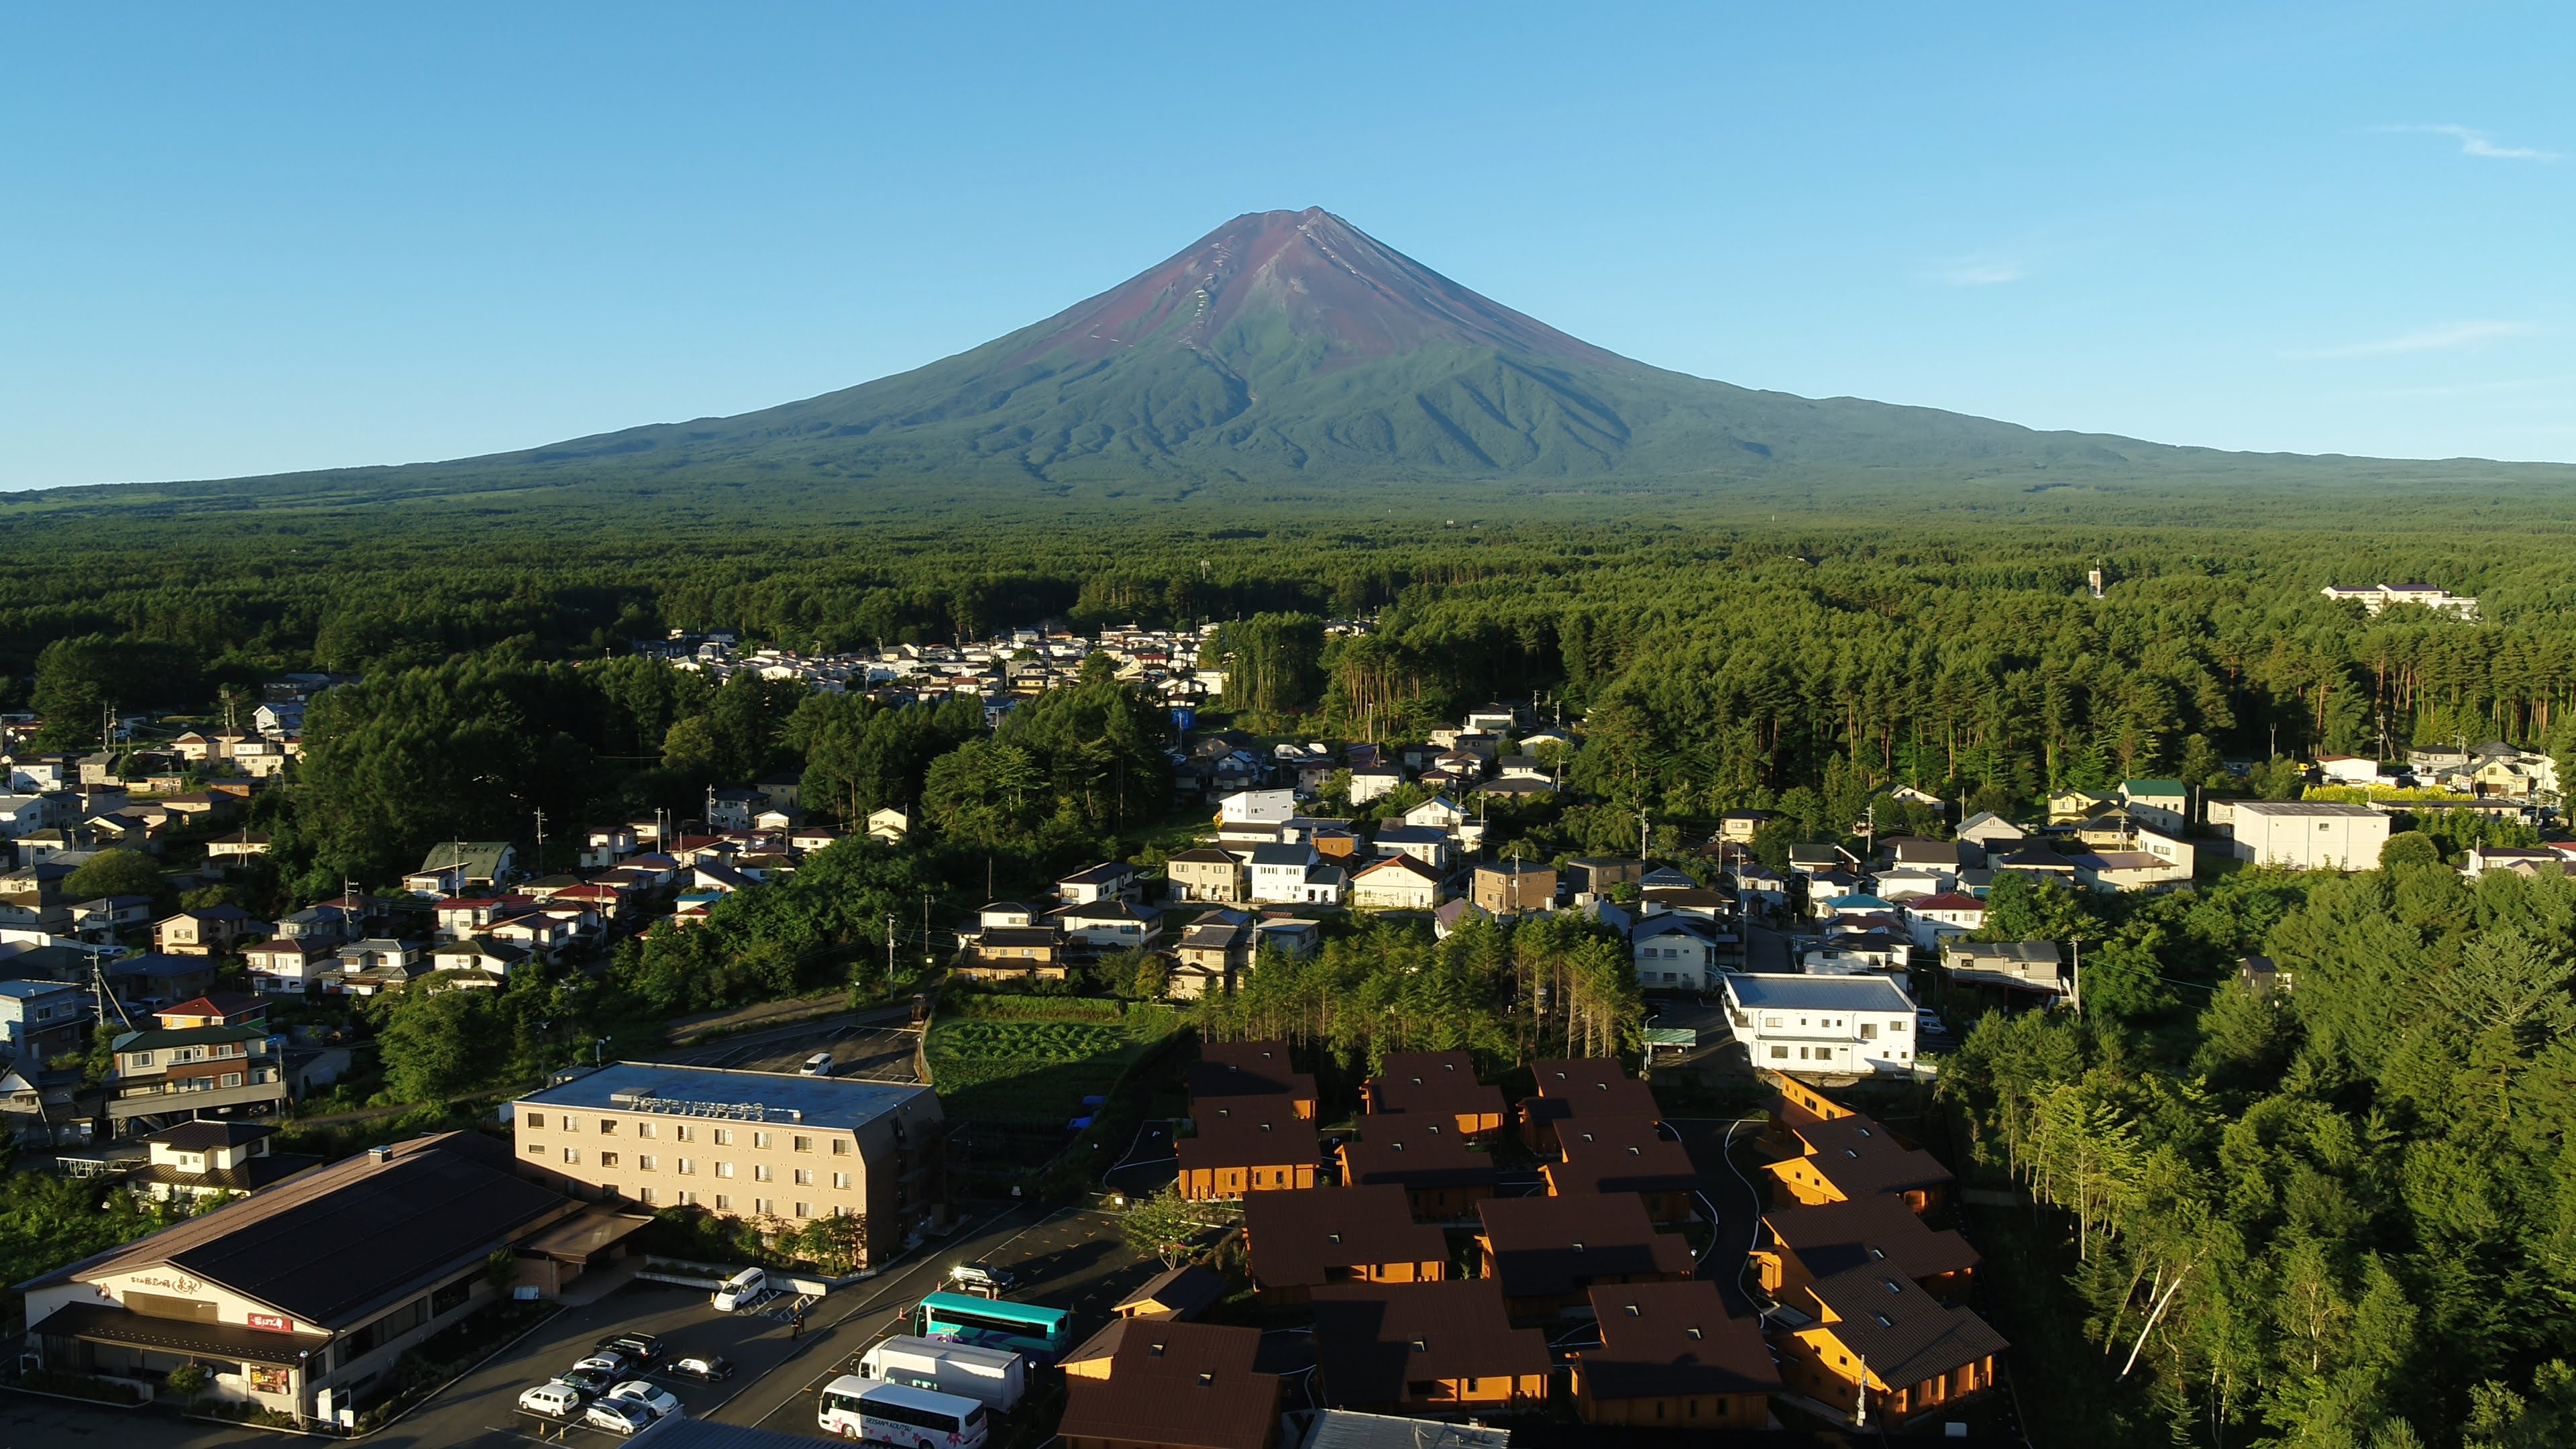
841	1180
802	1144
688	1165
608	1159
536	1149
724	1169
760	1139
1779	1054
724	1137
646	1163
688	1198
685	1132
724	1204
804	1177
232	1079
572	1154
571	1123
804	1210
764	1206
840	1147
607	1125
645	1129
760	1172
644	1195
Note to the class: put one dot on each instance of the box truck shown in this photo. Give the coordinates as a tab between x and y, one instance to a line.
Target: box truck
994	1377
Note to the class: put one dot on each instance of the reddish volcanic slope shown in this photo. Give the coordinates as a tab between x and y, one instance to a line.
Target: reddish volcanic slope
1332	281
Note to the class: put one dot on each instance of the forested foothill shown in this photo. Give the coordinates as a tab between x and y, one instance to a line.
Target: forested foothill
2336	1213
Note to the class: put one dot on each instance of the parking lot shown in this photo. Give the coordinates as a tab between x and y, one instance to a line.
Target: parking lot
1070	1259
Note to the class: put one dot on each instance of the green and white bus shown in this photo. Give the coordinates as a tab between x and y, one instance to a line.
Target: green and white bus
1044	1334
900	1415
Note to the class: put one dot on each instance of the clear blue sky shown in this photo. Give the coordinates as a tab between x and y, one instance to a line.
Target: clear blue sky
253	239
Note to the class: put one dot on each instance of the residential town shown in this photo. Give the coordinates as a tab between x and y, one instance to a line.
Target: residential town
1713	1190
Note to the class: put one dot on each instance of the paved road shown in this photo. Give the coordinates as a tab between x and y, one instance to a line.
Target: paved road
873	1044
1718	1150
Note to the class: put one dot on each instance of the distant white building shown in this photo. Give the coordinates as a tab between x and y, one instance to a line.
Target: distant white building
2375	597
2309	834
1847	1024
1675	952
2348	769
1257	807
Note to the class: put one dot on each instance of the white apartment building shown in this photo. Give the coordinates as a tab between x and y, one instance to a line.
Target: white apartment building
1848	1024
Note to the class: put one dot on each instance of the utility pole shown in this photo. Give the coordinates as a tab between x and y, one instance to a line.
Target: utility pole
541	840
1641	834
889	949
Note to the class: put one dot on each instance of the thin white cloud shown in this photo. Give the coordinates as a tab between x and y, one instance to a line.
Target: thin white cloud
2428	339
2474	142
2469	389
1979	271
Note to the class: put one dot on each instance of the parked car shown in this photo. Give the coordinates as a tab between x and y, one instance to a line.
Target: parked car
742	1290
608	1361
639	1348
555	1400
589	1382
710	1369
617	1416
819	1065
982	1274
653	1397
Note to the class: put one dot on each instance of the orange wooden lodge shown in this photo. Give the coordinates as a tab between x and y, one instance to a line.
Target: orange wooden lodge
1302	1240
1446	1346
1671	1357
1443	1179
1246	1145
1435	1084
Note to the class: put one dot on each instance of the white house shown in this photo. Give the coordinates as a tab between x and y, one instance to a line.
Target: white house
1424	843
2164	804
1905	882
1371	781
1437	813
1396	883
1279	872
1822	1023
1109	924
1256	807
2309	834
1113	881
889	825
1987	831
2348	769
1934	919
1675	952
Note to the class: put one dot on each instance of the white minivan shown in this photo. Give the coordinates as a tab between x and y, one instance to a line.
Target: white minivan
742	1290
555	1401
819	1065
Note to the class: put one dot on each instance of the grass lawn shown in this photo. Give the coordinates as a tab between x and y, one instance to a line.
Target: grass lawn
1035	1071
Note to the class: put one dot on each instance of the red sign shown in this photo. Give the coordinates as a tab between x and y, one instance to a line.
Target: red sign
272	1322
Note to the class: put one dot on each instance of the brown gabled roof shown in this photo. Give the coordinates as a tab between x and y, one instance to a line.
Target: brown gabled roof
333	1246
1298	1237
1904	1334
1437	1082
1371	1339
1189	1385
1416	1150
1861	1158
1248	1132
1545	1246
1248	1069
1586	1086
1660	1339
1619	1154
1833	1237
1182	1292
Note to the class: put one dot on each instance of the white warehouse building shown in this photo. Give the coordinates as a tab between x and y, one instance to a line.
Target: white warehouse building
1845	1024
2309	834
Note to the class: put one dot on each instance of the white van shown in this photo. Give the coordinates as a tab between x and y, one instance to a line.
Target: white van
555	1401
742	1290
819	1065
994	1377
